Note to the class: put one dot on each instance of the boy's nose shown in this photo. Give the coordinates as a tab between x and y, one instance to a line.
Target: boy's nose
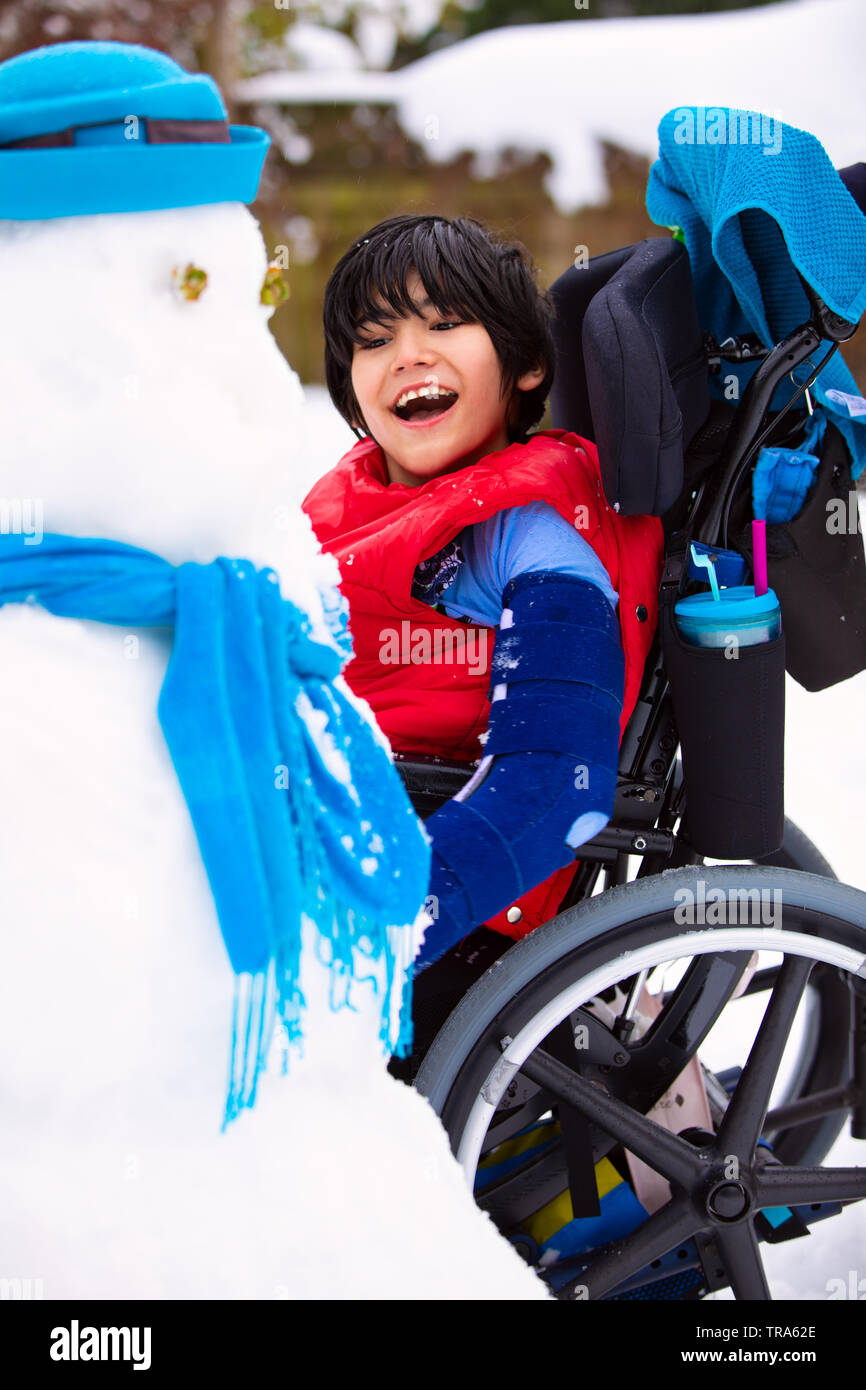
413	348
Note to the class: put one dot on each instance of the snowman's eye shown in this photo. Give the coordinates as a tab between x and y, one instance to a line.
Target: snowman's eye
274	288
189	281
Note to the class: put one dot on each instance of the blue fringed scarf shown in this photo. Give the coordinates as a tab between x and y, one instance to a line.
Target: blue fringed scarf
295	803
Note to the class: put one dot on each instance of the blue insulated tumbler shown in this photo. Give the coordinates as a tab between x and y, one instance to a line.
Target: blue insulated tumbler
737	614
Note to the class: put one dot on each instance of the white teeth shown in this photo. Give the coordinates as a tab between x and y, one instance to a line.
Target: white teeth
426	391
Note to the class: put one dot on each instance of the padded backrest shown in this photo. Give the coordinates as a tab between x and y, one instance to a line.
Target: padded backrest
854	179
631	373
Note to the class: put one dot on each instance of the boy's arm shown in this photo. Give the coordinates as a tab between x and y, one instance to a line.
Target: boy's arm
546	783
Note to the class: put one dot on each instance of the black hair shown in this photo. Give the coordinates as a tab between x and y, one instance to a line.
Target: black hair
466	271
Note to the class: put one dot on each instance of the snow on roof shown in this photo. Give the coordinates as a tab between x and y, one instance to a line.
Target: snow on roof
341	85
322	49
562	87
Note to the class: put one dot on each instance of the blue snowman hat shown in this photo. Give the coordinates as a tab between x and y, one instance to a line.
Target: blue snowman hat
115	127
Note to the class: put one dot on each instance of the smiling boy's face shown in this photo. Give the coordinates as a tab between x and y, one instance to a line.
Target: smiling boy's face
431	353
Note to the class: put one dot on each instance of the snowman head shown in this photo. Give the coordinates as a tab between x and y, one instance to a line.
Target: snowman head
142	401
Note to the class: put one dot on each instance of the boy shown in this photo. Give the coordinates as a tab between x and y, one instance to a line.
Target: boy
454	529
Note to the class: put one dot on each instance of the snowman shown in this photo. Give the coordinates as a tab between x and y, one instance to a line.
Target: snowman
190	1110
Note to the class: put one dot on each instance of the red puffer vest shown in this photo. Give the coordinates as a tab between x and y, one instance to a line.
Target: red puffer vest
425	675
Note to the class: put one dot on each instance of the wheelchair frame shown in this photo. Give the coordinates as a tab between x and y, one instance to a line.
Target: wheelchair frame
649	802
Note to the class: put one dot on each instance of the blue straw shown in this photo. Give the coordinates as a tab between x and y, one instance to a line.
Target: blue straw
708	563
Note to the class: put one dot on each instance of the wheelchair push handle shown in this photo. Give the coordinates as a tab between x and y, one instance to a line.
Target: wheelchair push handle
747	436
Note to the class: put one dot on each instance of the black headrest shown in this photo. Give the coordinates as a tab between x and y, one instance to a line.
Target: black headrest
631	374
854	179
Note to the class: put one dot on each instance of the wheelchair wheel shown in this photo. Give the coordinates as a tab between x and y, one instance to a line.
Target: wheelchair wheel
509	1055
822	1062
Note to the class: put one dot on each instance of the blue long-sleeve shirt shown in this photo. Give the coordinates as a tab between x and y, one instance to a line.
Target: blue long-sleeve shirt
468	577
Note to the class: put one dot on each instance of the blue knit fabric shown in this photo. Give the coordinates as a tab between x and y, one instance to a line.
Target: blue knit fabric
752	215
295	802
551	783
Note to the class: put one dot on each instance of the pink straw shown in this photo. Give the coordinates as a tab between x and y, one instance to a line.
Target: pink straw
759	556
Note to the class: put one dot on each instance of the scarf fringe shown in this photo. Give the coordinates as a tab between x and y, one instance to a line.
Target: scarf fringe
344	939
263	1000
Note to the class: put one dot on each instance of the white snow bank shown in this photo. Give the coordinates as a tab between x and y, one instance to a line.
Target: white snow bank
175	425
563	87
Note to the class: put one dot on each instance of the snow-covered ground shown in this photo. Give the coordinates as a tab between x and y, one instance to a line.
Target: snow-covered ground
563	87
825	771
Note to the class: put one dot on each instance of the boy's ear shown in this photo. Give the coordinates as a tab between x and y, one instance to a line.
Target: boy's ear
530	379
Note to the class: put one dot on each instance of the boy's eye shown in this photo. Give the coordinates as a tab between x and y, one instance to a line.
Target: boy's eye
444	323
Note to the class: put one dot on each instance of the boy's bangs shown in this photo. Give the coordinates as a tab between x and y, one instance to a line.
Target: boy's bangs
383	295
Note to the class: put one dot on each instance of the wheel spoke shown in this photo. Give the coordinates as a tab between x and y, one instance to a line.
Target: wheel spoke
794	1187
738	1249
762	981
669	1155
744	1118
621	1259
813	1107
690	1012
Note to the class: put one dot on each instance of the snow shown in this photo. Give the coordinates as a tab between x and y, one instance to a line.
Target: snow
316	48
177	426
329	84
563	87
317	725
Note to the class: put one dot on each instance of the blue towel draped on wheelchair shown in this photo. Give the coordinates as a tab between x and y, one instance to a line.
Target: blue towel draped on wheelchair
643	1091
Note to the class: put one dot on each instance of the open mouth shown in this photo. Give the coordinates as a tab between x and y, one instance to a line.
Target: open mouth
424	409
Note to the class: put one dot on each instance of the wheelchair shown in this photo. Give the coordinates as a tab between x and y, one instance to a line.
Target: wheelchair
558	1063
